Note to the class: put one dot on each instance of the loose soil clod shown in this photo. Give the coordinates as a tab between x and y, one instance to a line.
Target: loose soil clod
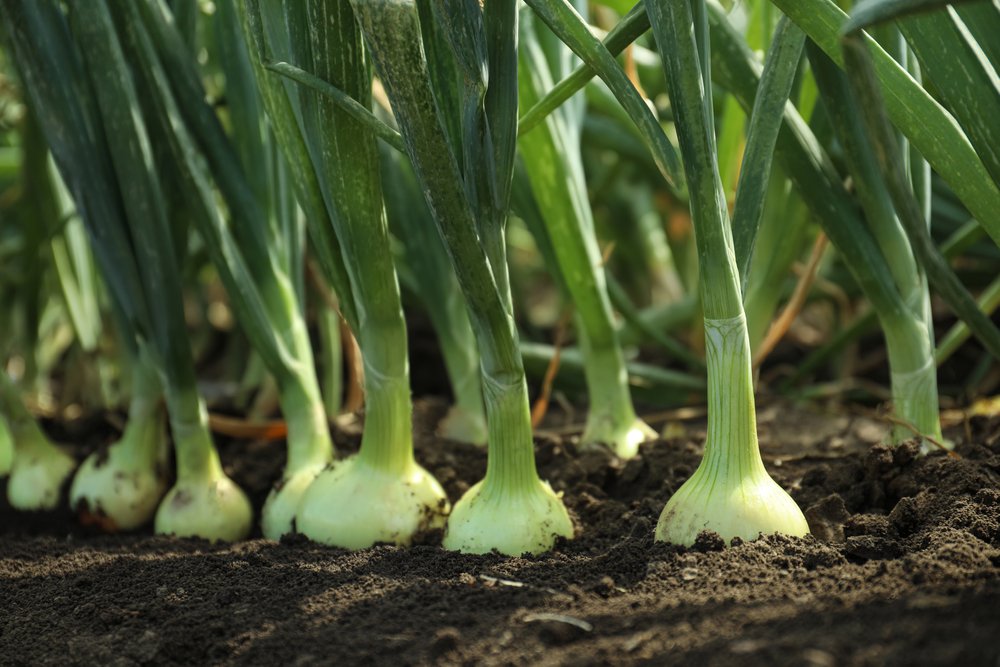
903	568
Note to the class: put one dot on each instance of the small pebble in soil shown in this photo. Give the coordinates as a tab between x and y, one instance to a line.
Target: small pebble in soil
745	646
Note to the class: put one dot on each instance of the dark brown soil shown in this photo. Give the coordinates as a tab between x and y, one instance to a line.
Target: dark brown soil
903	569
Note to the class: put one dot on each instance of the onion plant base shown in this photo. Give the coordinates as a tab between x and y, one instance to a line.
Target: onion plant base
512	523
730	492
355	505
120	487
118	490
280	513
757	506
213	509
621	437
915	400
462	425
38	471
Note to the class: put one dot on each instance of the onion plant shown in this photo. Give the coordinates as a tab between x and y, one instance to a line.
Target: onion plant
120	488
810	169
554	168
908	191
259	260
37	467
381	494
910	337
54	272
76	74
34	250
730	492
461	146
424	268
870	124
877	253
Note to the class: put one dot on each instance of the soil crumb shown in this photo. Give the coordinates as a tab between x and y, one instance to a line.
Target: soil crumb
903	568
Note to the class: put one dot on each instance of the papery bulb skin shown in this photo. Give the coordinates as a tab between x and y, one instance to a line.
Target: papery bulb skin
520	521
212	508
355	505
730	493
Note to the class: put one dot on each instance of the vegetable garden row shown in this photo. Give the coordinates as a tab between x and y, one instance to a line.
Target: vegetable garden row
304	167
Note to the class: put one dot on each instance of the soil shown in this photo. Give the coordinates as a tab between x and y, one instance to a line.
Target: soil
903	568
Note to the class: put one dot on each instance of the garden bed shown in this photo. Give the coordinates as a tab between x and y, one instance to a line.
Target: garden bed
903	568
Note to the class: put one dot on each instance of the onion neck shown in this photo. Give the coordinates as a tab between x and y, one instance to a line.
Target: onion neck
913	375
387	441
731	448
610	409
510	468
196	458
309	442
